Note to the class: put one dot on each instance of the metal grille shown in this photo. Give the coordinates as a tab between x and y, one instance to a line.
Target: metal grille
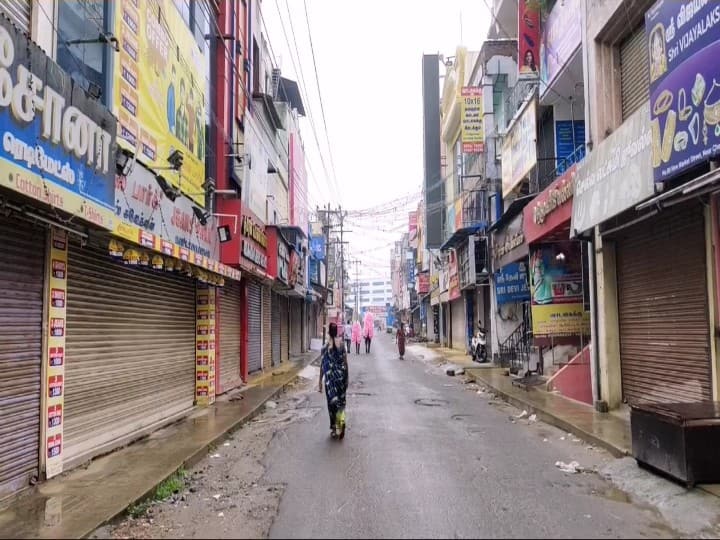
266	327
230	317
254	323
130	351
275	329
663	312
634	74
22	270
20	13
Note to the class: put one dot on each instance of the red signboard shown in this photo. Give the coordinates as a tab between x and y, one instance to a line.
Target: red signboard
551	209
453	278
423	283
528	38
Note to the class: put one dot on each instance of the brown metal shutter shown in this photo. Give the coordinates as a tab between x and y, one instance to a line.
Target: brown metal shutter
130	351
254	329
295	326
275	329
634	74
284	328
662	301
22	271
20	13
267	320
230	317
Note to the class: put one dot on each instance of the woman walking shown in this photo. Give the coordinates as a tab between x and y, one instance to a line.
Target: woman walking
334	370
400	340
356	335
368	330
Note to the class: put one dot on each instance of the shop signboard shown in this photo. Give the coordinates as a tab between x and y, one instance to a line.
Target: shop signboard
423	283
556	290
471	117
528	38
317	247
569	143
58	144
509	243
511	284
453	278
551	208
683	41
562	35
254	243
278	262
519	151
615	176
413	229
159	90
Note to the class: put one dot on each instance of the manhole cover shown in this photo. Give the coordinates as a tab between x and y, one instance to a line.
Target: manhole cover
431	402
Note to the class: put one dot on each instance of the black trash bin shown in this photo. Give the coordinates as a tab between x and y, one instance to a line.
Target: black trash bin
681	440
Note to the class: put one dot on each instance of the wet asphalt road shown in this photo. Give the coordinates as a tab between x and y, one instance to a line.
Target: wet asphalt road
460	468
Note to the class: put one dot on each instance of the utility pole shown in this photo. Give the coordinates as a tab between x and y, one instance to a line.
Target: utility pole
356	262
326	231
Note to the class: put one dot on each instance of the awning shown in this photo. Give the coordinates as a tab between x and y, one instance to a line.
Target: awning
461	234
290	93
707	183
513	210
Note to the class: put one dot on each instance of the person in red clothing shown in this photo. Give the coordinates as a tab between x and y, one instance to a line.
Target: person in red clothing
400	340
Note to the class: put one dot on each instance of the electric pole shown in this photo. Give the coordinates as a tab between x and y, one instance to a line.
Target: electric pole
356	262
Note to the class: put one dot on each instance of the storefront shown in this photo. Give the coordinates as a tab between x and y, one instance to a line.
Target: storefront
458	323
559	284
279	269
230	336
297	304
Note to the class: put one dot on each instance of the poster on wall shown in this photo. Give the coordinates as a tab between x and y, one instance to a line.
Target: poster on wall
556	290
205	345
471	117
159	93
683	43
528	39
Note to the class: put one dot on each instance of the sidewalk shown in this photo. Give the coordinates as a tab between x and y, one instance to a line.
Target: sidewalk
75	504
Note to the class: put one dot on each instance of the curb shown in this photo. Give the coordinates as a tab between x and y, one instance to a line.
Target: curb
202	452
553	419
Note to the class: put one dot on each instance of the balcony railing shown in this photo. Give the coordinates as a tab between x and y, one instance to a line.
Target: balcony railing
518	95
542	181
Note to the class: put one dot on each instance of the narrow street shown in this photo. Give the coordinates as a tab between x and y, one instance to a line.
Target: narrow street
425	455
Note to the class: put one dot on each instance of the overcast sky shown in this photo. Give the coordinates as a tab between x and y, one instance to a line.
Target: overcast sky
368	58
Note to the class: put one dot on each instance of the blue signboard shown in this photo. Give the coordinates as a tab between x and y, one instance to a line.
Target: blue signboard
569	143
50	127
410	271
317	247
511	284
683	40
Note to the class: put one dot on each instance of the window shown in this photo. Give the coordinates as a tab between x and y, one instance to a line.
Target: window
86	63
634	74
183	7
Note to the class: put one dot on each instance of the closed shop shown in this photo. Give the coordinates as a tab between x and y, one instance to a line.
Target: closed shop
130	351
267	327
254	326
19	12
295	326
634	75
230	328
663	310
22	270
275	330
459	324
284	328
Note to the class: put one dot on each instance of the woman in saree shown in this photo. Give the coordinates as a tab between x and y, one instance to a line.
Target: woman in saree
334	372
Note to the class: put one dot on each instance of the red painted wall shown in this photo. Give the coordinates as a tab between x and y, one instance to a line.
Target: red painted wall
574	380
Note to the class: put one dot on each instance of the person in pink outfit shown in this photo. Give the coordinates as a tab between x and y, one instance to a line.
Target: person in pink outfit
356	335
368	330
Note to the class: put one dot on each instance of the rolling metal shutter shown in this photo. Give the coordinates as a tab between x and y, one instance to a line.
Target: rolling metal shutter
459	324
230	319
634	74
19	11
663	311
295	326
254	323
275	329
267	320
22	271
284	328
130	351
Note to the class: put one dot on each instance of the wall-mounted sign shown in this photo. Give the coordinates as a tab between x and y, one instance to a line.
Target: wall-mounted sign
511	284
551	208
528	38
519	150
453	277
569	143
283	262
472	133
423	283
683	41
509	243
205	345
562	36
317	247
254	243
57	143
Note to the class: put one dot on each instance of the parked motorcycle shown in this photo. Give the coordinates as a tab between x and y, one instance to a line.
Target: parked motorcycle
478	346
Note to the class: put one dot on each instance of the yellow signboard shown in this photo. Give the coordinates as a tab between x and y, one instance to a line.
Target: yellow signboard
560	320
159	93
471	116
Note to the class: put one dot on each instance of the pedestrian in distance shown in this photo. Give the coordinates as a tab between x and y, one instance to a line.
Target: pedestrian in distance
368	330
400	340
356	335
348	335
334	373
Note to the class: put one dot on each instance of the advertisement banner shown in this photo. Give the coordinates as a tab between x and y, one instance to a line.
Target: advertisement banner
615	176
410	271
562	35
519	152
569	143
551	208
472	133
511	284
453	278
205	345
317	247
459	213
423	283
528	38
53	420
58	144
556	290
159	92
413	229
683	40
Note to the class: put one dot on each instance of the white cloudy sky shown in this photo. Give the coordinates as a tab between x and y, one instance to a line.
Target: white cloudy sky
368	58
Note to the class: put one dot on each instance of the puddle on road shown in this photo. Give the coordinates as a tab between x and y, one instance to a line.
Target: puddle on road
612	494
